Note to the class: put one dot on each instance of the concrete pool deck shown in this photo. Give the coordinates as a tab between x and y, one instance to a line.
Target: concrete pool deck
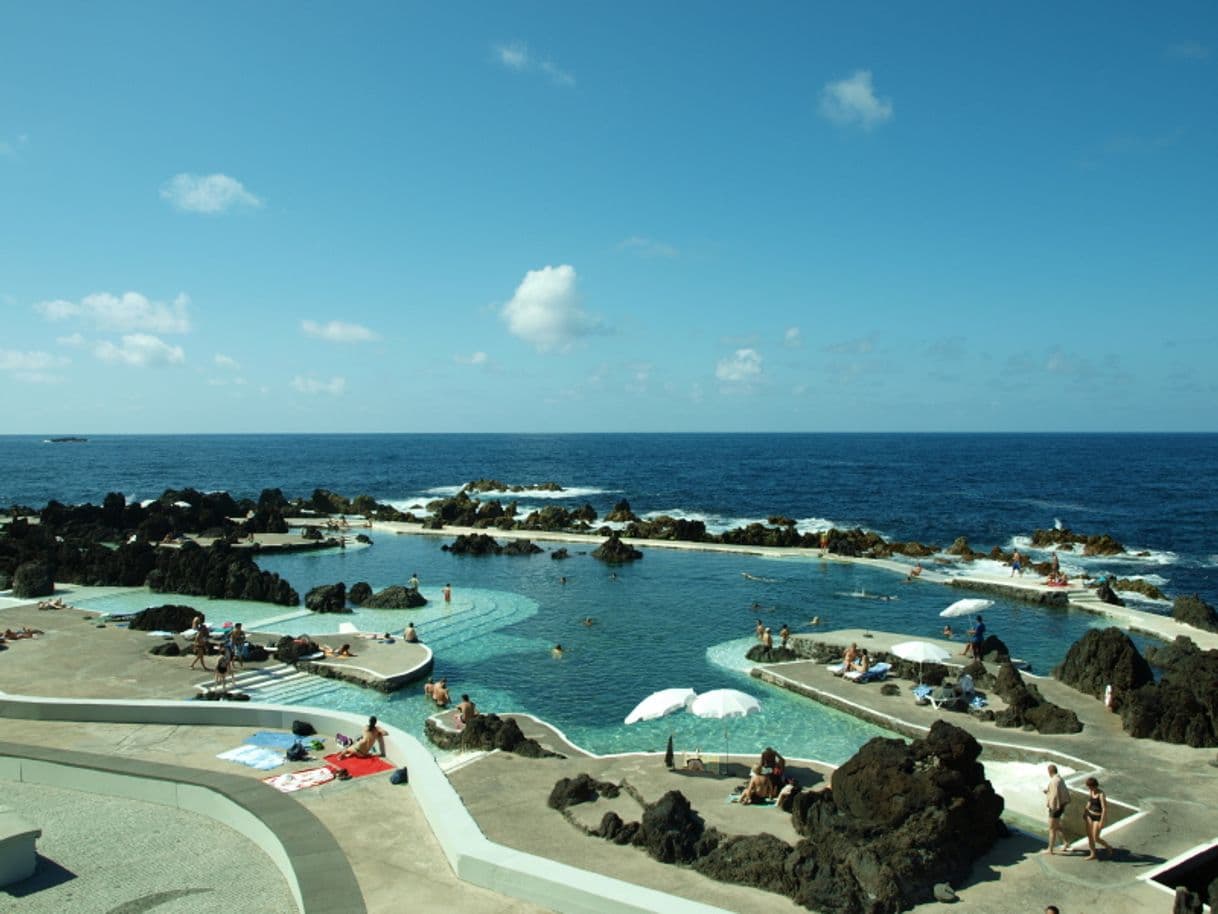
506	795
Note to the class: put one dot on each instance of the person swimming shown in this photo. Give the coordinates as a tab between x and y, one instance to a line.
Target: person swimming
556	651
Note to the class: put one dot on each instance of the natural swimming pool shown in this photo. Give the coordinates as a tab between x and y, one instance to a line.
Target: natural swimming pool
676	618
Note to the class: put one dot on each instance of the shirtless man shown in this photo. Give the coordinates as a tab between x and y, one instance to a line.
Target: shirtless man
429	688
372	736
785	634
448	593
439	693
759	629
466	710
849	657
767	639
410	635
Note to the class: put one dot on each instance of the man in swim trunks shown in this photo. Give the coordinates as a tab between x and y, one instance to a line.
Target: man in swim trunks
785	634
410	635
439	693
1016	564
466	709
1056	797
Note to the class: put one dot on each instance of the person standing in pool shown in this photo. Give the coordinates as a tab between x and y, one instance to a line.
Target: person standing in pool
414	580
448	593
976	638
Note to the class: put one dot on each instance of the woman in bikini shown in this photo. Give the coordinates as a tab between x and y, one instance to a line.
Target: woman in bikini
1095	817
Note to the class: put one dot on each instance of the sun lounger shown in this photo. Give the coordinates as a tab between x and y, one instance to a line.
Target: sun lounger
874	674
836	668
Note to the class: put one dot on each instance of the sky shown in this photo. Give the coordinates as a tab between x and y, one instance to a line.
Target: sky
575	217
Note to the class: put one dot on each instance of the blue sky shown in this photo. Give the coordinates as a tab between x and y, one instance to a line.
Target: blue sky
622	217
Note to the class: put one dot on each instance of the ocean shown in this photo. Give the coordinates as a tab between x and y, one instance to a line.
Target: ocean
678	618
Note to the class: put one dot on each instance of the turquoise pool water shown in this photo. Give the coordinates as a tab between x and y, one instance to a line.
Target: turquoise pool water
675	618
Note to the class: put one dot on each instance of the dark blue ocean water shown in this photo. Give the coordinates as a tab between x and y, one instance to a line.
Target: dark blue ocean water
663	621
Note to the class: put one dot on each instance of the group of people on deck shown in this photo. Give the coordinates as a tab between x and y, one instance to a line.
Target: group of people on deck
856	659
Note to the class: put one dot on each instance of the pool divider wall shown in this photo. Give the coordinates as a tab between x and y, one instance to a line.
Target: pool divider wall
473	857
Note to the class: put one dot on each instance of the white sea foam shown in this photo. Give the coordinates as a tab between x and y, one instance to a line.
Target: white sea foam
1131	554
508	494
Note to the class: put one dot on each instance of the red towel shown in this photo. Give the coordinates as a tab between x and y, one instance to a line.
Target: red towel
358	767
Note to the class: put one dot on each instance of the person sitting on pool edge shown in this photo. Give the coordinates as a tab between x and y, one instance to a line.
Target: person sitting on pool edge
372	736
410	636
466	711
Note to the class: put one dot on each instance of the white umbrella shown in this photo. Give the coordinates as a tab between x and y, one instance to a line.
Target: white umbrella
722	704
966	607
920	652
657	704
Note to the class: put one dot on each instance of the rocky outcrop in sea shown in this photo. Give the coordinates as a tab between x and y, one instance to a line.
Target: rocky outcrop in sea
396	596
615	552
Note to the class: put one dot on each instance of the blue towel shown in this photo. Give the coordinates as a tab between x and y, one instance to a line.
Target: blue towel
922	691
270	740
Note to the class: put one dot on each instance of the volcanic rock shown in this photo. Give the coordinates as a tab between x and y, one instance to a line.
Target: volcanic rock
395	597
167	618
670	829
759	653
621	513
560	553
219	572
327	598
489	731
1105	592
1194	611
754	860
615	552
521	547
473	544
359	592
582	788
1101	658
1027	707
33	579
167	649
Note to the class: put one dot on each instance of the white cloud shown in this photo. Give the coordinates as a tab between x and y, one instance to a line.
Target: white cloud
853	101
545	310
338	332
557	75
139	350
647	247
224	361
515	55
792	338
334	387
72	340
206	193
31	366
130	311
474	358
743	366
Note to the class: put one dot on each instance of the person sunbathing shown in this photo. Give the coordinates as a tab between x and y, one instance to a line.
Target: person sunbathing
372	736
863	664
344	651
20	633
759	787
852	653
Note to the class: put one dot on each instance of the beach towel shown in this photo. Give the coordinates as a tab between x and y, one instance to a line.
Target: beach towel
254	756
299	780
270	740
359	767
